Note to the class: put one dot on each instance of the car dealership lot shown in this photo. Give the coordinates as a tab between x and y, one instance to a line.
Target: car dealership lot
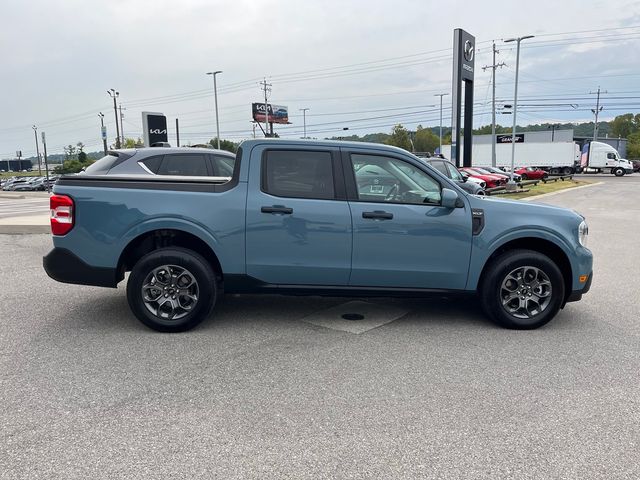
262	390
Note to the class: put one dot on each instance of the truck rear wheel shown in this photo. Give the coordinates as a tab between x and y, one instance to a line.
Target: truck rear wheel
522	290
172	289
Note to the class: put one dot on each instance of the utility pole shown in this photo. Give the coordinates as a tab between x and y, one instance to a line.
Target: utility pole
267	88
493	67
46	163
35	134
103	133
597	111
440	95
215	99
177	133
511	185
304	121
113	94
121	124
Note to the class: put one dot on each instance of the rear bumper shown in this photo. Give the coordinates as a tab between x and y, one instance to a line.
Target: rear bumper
66	267
577	294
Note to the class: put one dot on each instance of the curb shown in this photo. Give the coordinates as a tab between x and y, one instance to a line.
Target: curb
550	194
24	229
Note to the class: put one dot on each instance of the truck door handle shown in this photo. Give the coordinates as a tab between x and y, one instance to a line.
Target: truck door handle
277	209
378	214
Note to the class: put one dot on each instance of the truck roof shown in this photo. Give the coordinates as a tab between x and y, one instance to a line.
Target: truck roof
323	143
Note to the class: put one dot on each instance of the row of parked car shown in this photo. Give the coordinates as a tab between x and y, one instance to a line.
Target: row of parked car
477	180
27	184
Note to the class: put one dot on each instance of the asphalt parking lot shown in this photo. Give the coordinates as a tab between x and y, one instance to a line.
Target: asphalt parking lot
260	390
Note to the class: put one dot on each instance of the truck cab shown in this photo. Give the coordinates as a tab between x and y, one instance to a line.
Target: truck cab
602	157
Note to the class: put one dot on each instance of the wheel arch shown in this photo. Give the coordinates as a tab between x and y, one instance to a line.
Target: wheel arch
540	245
166	237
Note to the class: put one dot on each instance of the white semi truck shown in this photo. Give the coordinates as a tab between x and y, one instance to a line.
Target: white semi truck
557	158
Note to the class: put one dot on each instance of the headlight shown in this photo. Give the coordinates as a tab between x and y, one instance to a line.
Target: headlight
583	233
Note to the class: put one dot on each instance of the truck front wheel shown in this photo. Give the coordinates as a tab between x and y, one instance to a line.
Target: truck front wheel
522	289
618	172
172	289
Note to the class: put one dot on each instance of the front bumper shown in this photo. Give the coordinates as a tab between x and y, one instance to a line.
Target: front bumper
576	295
66	267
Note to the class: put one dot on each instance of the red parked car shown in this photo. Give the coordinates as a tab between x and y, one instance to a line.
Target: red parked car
531	173
491	179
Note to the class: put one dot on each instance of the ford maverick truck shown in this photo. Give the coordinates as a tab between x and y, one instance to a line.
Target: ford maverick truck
306	218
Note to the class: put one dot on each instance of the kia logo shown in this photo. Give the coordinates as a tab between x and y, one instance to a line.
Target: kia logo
157	131
468	51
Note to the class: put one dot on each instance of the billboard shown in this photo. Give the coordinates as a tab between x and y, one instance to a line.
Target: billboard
154	128
277	113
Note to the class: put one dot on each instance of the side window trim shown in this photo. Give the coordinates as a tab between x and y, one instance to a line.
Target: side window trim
338	180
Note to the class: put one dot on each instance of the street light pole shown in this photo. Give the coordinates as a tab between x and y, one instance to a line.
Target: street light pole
103	132
35	134
46	163
440	95
215	99
511	185
113	94
304	121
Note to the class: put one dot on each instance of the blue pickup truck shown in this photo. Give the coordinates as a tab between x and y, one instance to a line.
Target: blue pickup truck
307	218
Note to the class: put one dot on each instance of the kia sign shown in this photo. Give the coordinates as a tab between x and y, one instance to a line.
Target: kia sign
507	138
154	127
277	113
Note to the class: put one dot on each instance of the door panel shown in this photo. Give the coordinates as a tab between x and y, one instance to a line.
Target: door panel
292	239
418	243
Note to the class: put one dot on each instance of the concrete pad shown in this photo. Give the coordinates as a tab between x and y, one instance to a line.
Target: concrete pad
375	315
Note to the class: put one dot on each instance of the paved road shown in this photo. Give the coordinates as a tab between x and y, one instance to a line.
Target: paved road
12	205
257	392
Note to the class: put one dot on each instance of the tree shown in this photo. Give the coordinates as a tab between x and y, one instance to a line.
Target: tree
625	125
69	152
227	145
426	140
132	143
633	145
399	138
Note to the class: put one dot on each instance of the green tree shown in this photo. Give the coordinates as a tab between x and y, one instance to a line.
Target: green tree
625	125
426	140
633	145
132	143
399	138
227	145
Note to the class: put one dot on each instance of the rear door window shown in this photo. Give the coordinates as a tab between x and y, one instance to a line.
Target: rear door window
222	165
298	174
152	163
441	167
180	164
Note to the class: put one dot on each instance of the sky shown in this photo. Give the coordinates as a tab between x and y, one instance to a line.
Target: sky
363	65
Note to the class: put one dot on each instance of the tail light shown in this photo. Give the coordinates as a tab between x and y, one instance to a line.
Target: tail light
61	214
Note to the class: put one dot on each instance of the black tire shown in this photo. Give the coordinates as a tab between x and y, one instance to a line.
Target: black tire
524	176
545	176
567	171
491	289
184	260
618	172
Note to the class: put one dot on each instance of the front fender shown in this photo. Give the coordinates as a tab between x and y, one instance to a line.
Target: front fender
484	248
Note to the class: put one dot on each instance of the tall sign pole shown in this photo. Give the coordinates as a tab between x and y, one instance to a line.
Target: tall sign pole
464	46
267	88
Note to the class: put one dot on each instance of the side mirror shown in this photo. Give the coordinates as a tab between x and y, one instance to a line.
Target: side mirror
450	199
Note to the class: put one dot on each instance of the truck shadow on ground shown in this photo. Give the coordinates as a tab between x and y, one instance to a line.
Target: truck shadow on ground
111	312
